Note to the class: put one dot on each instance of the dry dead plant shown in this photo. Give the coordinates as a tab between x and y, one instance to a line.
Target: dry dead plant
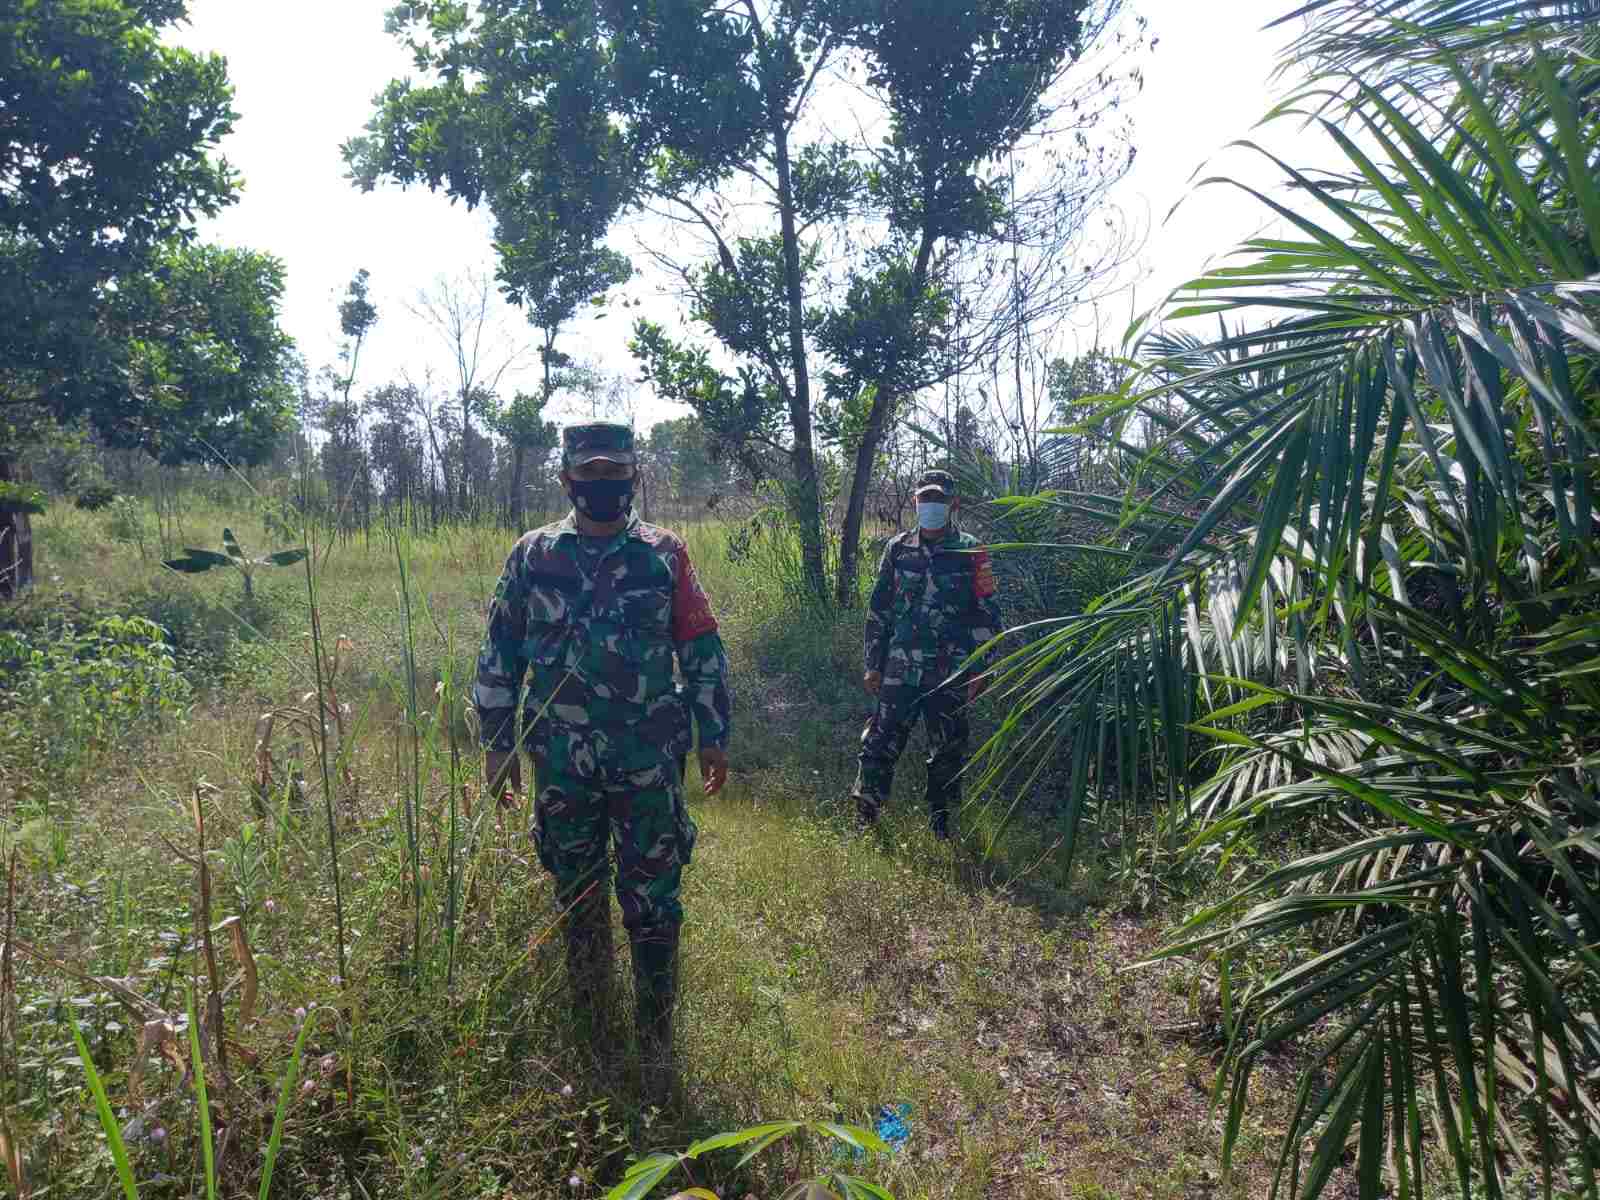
312	718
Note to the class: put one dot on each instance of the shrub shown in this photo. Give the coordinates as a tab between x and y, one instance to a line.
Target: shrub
126	521
95	497
80	692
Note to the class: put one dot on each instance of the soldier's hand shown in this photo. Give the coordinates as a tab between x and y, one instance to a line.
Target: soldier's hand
504	771
977	688
872	681
713	769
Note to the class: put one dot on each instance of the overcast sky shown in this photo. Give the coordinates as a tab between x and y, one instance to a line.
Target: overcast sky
305	73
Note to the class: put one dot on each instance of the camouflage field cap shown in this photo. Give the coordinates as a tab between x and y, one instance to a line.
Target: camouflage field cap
936	481
585	443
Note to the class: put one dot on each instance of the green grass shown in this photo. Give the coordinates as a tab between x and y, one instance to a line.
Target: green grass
825	975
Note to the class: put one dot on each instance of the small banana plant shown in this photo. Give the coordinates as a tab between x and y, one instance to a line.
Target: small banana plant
195	561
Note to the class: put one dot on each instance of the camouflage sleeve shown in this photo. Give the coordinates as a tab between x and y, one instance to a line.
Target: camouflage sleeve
986	620
877	640
501	663
701	657
705	673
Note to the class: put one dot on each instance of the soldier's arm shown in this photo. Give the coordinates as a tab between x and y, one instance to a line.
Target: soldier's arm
877	637
501	663
701	657
986	620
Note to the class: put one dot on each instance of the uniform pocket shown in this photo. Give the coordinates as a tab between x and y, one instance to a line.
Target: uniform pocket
552	597
645	611
908	589
547	644
686	830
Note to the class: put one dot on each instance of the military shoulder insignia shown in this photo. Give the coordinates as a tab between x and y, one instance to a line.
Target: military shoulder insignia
983	575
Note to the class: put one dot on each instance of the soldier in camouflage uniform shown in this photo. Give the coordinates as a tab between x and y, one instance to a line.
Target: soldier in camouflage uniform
932	606
596	607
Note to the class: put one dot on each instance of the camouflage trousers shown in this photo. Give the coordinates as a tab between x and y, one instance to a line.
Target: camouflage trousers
579	818
884	740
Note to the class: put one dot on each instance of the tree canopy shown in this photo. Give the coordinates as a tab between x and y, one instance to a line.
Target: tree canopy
108	312
799	243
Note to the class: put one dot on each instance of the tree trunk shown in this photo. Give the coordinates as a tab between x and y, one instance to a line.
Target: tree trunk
466	449
16	541
805	501
883	400
855	511
518	453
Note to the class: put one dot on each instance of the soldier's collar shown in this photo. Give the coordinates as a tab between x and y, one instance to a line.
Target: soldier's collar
951	536
569	525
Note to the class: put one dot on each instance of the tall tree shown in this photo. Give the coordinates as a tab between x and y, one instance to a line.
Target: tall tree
963	85
107	314
523	425
709	115
395	443
357	315
678	451
461	311
105	162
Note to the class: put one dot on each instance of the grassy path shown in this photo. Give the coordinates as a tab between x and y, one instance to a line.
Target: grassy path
825	975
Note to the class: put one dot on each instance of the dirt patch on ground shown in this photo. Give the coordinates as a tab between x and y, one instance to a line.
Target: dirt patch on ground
1099	1071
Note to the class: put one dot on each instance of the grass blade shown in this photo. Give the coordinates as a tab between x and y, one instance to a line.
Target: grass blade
207	1151
108	1122
291	1076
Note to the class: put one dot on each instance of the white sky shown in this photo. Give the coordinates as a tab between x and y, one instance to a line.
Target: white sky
300	94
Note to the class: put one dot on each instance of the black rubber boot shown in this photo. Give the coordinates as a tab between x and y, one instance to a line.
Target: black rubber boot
944	794
589	965
655	983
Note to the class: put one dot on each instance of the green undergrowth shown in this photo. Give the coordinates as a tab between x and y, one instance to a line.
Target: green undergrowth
825	976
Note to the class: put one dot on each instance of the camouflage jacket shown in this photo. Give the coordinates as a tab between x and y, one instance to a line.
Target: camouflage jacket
598	630
933	605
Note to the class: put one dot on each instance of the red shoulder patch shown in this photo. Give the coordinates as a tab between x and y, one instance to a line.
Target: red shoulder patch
982	575
691	608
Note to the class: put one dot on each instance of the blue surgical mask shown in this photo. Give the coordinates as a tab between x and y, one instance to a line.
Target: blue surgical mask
932	514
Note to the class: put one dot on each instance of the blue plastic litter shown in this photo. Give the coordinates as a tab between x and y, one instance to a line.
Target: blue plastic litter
891	1125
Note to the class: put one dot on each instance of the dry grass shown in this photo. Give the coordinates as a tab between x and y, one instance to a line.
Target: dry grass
825	975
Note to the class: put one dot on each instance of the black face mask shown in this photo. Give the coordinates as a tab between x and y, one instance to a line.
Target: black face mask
601	499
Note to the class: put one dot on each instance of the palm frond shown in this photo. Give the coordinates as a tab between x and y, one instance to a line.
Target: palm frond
1374	614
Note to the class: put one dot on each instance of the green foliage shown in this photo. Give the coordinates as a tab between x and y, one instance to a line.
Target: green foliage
555	196
196	562
105	163
1372	620
766	549
205	358
884	334
682	455
66	692
357	314
126	521
245	855
741	413
646	1175
95	497
563	118
108	1123
21	498
291	1076
113	1130
197	1064
112	126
